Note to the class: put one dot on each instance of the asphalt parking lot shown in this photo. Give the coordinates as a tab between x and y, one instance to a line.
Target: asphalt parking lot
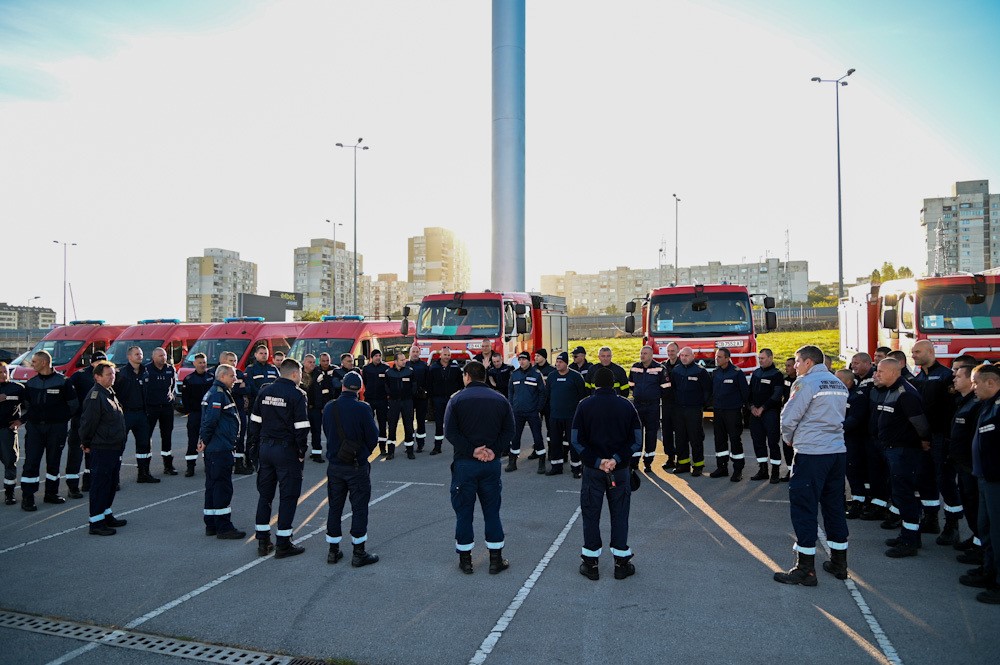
705	550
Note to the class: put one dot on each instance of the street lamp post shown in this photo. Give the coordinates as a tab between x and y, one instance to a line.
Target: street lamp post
837	83
31	299
357	146
65	245
333	269
677	264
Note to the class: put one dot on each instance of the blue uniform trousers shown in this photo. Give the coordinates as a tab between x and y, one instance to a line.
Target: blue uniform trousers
817	483
241	440
878	473
559	443
316	431
593	491
75	457
401	408
343	481
690	435
968	484
281	471
162	415
471	478
137	423
381	408
440	404
193	429
667	429
765	432
938	480
989	522
649	416
727	427
42	439
904	465
420	413
534	422
8	456
105	466
219	490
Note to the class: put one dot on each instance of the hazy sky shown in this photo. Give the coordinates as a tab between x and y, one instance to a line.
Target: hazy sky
147	131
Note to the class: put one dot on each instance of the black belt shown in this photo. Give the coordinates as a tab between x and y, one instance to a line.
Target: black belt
646	402
135	410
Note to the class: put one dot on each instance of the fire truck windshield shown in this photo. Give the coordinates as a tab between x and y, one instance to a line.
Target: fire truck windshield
118	352
469	319
62	351
335	347
946	308
213	348
700	315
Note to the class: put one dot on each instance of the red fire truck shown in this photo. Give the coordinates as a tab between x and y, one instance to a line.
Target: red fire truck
959	314
506	322
70	346
174	337
705	317
351	333
241	335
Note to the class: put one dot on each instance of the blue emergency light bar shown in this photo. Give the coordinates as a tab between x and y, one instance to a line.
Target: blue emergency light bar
88	322
147	321
343	317
238	319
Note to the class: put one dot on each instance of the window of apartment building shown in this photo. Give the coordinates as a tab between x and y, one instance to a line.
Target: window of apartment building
946	208
965	205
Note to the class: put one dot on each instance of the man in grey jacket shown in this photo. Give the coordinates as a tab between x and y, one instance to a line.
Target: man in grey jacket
812	422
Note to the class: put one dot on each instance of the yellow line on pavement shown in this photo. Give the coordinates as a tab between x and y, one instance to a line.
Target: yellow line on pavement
865	645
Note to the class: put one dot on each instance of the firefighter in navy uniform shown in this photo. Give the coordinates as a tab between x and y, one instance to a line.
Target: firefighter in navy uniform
279	426
220	428
938	478
240	391
479	424
399	388
130	387
607	434
730	392
260	373
498	374
315	413
564	389
193	389
604	360
351	436
692	388
581	365
766	390
12	401
963	428
420	397
545	368
443	380
649	381
337	376
324	387
526	394
373	375
900	427
82	381
787	450
667	409
102	435
871	467
51	403
161	382
856	440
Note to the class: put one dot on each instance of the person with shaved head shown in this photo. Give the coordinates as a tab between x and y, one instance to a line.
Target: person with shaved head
692	388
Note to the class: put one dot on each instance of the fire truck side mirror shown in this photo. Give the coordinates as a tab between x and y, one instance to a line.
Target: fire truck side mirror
630	307
630	323
406	311
768	302
889	319
770	321
520	309
522	324
404	326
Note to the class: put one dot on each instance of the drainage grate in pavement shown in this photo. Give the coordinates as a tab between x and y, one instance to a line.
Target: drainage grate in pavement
209	653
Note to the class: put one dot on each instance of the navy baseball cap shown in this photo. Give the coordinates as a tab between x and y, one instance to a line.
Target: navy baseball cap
352	381
578	350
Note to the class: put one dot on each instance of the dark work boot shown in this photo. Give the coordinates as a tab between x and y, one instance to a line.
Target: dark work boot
316	457
624	567
169	470
556	470
465	562
930	523
498	564
681	468
334	555
541	465
28	503
53	498
381	447
390	451
577	472
972	556
737	472
669	464
978	578
762	472
803	573
534	454
287	549
85	482
696	470
902	549
891	522
190	469
589	568
8	495
721	471
647	464
72	489
409	452
787	477
361	557
99	529
775	474
854	509
264	547
874	513
964	545
114	522
436	450
511	463
144	475
950	534
837	565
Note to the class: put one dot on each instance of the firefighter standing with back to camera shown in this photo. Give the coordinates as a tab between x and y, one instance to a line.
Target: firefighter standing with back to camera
606	435
729	397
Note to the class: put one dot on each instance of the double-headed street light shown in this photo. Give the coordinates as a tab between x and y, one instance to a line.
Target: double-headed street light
333	269
357	146
837	83
65	245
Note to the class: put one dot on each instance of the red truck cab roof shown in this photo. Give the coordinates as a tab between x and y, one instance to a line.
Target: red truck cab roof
70	347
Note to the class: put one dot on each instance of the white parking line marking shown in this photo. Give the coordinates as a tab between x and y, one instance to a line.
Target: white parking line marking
407	482
773	500
486	648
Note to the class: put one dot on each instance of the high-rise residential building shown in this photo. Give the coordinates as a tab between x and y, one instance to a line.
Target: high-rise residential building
323	276
389	295
436	261
20	316
607	291
962	230
214	282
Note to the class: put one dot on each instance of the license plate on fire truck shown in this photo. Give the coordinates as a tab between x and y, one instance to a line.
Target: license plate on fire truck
727	343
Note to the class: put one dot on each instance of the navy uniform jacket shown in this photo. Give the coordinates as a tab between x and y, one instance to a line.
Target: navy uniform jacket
986	442
241	392
897	416
692	385
963	428
545	369
583	370
668	398
130	387
526	391
729	388
500	376
621	378
857	417
935	388
399	383
478	416
337	379
648	384
787	392
102	420
51	399
160	384
220	422
12	403
606	427
325	386
280	413
766	388
420	370
82	382
374	379
444	381
260	375
358	421
564	394
193	389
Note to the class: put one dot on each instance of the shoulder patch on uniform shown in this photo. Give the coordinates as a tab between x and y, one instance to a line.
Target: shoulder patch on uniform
93	394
